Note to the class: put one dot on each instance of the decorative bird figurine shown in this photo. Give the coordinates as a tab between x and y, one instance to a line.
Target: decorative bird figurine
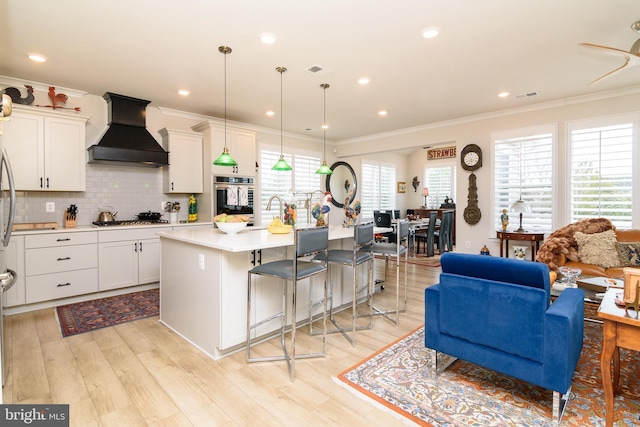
351	212
56	98
15	95
320	210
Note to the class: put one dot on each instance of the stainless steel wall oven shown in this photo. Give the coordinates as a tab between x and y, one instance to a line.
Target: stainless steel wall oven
234	195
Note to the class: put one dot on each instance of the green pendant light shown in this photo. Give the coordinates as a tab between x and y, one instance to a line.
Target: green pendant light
281	164
225	158
324	169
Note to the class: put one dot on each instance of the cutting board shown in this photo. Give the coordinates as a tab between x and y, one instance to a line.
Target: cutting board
35	226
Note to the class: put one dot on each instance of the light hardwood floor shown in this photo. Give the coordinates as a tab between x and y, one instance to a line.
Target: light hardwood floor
142	374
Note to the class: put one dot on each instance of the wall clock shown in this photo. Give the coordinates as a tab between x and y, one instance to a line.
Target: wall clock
471	160
471	157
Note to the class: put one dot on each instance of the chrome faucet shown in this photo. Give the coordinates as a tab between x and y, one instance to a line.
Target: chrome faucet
280	212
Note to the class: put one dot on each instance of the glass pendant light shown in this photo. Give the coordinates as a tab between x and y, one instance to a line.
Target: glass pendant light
281	164
225	158
324	169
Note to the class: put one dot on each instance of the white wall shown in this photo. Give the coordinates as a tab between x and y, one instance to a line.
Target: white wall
477	130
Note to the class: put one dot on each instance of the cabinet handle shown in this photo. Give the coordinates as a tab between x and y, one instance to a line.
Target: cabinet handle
172	186
64	259
66	239
47	182
140	246
135	247
41	183
60	285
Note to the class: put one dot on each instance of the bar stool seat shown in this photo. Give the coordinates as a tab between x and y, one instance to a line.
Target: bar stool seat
395	250
309	243
362	252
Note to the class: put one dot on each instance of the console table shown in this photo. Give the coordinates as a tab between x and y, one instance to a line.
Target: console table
534	238
619	331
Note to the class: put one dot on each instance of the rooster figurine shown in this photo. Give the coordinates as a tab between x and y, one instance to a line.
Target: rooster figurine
351	212
56	98
15	95
321	210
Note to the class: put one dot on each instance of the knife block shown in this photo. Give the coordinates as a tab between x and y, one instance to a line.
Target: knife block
69	221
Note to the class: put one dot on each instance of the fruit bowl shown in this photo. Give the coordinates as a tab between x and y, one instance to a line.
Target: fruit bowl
231	227
281	229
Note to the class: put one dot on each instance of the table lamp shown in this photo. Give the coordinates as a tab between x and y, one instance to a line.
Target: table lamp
520	206
425	193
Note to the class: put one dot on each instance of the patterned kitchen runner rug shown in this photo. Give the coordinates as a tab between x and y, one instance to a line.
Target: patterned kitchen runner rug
469	395
100	313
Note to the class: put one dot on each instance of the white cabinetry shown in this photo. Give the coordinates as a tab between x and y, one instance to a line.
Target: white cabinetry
129	257
240	142
47	150
59	265
14	254
184	173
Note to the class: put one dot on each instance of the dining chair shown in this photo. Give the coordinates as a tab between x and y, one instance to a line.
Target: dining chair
361	253
308	242
445	234
395	250
428	238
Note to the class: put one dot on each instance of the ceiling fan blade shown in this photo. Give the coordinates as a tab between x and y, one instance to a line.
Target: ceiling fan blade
631	58
610	73
606	49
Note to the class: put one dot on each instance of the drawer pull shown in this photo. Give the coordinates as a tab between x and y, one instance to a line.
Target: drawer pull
64	240
63	284
64	259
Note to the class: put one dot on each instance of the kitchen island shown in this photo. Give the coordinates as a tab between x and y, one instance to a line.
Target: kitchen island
203	284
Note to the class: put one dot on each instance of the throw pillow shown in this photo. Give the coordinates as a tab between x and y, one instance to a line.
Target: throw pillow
598	248
628	253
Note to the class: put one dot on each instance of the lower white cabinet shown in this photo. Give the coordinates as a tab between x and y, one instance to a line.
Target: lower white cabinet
14	255
59	265
128	257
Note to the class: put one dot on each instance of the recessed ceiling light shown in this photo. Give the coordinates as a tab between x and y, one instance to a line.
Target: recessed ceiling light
36	57
363	81
325	126
183	92
270	113
267	38
382	113
503	94
430	32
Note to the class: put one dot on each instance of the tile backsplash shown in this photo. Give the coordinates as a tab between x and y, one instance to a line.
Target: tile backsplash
128	190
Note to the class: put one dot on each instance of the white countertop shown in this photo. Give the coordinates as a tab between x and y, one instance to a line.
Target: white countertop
248	239
92	227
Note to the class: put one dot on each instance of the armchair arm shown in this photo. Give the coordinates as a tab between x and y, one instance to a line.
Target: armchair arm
563	336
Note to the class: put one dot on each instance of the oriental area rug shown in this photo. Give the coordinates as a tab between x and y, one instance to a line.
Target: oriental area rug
100	313
419	259
468	395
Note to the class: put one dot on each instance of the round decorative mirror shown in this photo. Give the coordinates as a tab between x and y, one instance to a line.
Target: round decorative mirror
342	184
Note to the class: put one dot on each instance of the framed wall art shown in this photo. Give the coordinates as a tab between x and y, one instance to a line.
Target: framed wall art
402	187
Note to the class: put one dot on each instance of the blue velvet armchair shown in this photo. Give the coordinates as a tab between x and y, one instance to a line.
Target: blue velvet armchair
496	313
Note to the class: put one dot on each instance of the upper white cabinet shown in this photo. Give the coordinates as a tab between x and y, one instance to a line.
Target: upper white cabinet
47	150
240	142
184	173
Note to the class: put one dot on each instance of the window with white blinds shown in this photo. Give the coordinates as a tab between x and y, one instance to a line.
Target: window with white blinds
523	170
378	188
441	182
601	167
291	186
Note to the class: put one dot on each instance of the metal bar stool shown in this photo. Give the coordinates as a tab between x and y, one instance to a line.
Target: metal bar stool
362	252
309	242
389	250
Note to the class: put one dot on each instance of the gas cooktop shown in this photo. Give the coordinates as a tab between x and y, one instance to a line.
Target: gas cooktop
130	222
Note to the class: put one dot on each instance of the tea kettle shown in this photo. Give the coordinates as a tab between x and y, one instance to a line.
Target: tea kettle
107	216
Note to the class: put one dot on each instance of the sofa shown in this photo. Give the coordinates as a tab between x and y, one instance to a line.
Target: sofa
496	313
612	249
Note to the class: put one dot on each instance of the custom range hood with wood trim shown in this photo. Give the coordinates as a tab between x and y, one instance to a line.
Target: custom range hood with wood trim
127	141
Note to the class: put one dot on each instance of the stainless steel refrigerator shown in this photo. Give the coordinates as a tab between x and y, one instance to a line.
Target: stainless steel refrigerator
8	195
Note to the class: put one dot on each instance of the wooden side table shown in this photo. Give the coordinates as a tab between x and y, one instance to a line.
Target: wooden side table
619	331
534	238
